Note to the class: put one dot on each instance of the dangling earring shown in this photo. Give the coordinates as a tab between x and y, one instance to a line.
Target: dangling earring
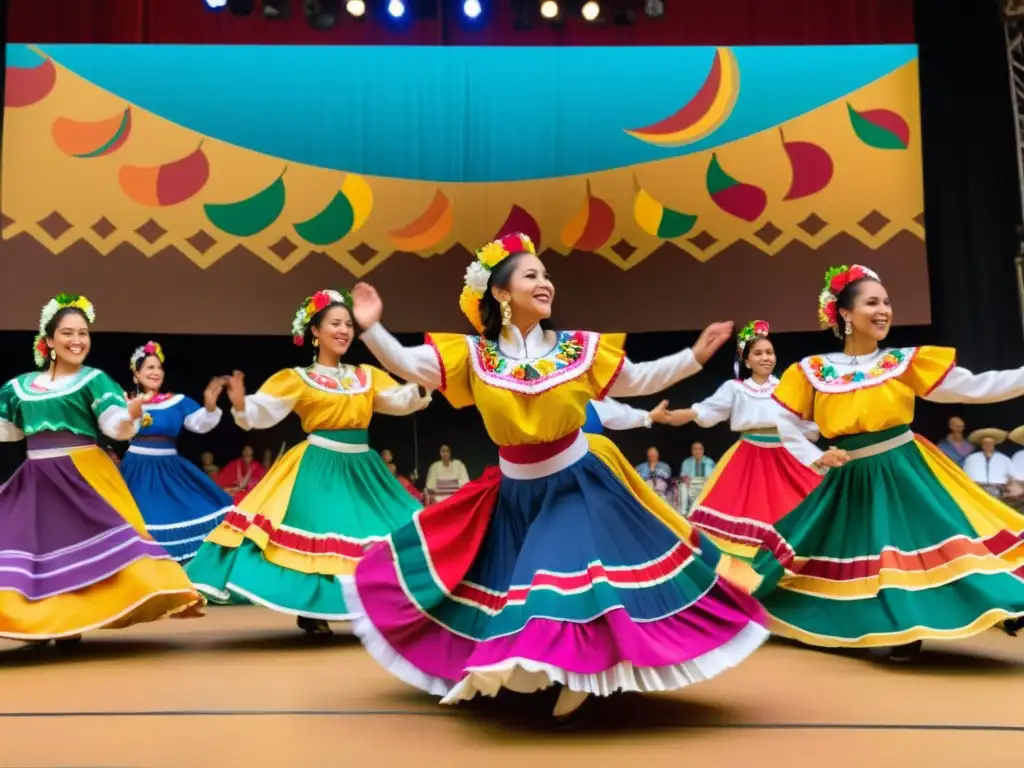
849	328
53	353
506	313
316	342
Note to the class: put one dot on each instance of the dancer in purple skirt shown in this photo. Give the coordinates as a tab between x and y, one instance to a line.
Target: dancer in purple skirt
74	552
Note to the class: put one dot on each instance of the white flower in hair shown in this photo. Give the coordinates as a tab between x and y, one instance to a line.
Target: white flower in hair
477	276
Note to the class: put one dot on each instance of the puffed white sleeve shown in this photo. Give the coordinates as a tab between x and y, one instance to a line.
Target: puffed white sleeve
417	364
394	399
272	403
199	420
649	378
619	416
717	408
116	423
794	435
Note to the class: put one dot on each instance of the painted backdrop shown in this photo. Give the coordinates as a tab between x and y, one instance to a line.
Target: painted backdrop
210	188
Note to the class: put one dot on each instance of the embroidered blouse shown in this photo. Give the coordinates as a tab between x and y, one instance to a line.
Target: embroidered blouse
748	406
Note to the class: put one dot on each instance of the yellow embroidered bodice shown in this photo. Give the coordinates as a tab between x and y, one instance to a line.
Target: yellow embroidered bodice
530	400
875	393
324	403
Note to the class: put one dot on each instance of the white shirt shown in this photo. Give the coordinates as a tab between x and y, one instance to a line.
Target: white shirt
619	416
988	470
1017	466
748	406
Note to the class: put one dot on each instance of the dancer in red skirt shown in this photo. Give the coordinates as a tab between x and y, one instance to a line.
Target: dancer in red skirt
758	480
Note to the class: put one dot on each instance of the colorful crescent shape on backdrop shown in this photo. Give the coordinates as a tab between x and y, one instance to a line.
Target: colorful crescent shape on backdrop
744	201
706	111
880	128
519	220
657	220
245	218
428	229
167	184
347	211
812	167
26	86
95	138
591	227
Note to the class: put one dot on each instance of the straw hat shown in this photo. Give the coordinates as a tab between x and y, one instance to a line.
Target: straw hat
1017	436
999	435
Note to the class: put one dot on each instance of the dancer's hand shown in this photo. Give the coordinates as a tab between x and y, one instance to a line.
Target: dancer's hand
832	458
367	307
236	390
135	405
213	391
660	413
679	417
711	339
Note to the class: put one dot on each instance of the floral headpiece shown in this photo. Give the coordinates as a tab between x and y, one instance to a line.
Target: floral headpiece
755	329
61	301
837	278
479	272
318	302
147	349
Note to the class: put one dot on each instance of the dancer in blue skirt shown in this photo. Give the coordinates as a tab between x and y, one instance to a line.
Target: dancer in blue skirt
178	501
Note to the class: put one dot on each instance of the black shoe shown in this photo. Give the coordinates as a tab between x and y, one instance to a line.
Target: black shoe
1012	626
314	626
904	653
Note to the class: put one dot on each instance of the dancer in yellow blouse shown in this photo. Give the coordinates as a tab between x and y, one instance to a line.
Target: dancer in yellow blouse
560	566
310	518
896	545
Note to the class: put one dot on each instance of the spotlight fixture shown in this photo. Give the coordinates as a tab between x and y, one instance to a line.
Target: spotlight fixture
549	10
216	5
356	8
241	7
396	9
472	9
277	9
591	10
654	8
321	14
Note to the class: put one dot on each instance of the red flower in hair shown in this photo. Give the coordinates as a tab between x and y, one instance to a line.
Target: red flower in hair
831	312
320	300
760	328
297	341
42	348
843	279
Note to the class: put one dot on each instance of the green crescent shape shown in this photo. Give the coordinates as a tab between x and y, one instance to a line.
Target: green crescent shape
675	224
331	224
718	179
248	217
118	134
874	136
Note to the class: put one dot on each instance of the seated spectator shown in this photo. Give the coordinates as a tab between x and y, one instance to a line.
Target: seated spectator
954	445
445	477
656	473
207	465
988	467
241	475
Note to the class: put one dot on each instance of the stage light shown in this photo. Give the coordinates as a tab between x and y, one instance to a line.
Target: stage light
216	5
654	8
591	10
396	9
276	9
356	8
472	8
549	9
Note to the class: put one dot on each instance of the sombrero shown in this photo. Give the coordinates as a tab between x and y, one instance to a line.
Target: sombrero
1017	436
999	435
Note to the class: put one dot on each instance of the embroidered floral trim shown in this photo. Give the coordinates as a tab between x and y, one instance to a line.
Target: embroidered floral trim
753	389
826	373
567	351
349	380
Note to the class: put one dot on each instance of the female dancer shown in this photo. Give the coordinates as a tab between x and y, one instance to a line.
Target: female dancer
327	499
757	481
179	502
896	545
561	566
74	553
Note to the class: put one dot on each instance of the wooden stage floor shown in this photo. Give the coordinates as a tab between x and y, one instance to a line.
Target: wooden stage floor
242	687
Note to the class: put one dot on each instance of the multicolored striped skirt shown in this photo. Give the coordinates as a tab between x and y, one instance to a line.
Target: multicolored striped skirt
756	483
307	522
898	545
561	566
74	552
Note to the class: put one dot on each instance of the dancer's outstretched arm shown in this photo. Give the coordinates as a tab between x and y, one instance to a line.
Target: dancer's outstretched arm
267	407
619	416
205	419
962	386
652	377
